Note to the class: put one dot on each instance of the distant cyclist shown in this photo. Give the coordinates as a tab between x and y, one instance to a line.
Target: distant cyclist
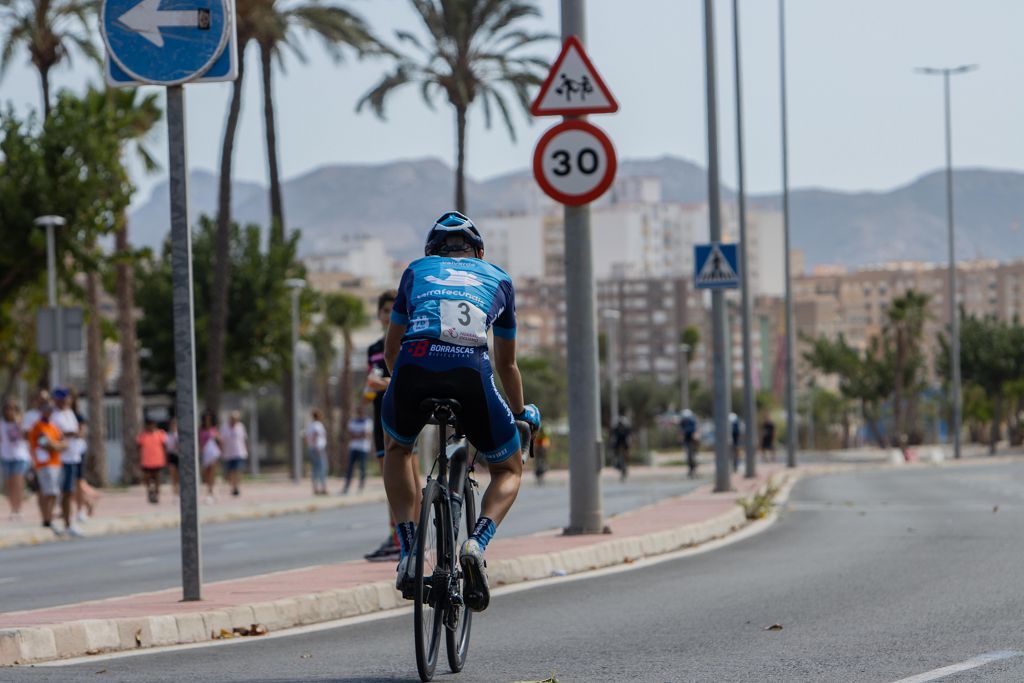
436	347
691	441
621	432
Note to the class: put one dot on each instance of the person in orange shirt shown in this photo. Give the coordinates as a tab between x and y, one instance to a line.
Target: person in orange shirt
46	443
153	458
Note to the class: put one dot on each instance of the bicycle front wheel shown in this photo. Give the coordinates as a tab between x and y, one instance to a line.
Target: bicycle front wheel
457	638
432	554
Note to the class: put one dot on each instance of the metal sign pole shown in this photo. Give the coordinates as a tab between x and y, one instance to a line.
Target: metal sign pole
790	367
585	515
184	346
51	293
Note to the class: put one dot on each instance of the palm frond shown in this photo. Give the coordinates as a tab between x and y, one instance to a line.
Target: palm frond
377	95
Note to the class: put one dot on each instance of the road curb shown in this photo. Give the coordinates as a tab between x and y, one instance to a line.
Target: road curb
94	636
108	527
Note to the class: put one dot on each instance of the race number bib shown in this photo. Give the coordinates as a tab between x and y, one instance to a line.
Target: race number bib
463	323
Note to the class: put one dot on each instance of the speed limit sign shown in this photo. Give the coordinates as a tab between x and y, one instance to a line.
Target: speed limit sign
574	162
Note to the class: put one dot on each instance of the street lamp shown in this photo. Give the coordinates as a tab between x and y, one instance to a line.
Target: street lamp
790	367
684	376
612	317
57	356
296	285
954	313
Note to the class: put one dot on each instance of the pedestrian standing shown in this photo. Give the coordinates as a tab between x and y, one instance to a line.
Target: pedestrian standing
45	445
360	428
153	458
768	440
172	452
85	495
71	457
210	450
691	441
734	430
541	444
377	379
14	457
234	442
316	451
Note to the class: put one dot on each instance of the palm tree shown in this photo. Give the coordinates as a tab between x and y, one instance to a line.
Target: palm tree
48	29
274	24
471	57
906	317
346	313
132	118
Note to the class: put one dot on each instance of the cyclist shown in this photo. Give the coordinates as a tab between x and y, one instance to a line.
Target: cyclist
436	347
621	432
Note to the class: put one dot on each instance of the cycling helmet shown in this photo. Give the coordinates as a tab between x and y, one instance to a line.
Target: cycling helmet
451	223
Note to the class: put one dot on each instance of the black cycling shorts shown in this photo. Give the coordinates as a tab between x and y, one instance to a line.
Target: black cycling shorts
431	369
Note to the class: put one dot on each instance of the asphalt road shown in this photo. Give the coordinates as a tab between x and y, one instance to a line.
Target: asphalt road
872	577
91	568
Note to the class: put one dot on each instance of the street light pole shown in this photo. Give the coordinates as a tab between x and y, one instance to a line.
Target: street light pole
718	312
57	356
585	459
749	415
954	312
790	369
296	285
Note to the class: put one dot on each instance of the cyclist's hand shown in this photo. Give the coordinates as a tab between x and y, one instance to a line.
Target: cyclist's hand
531	416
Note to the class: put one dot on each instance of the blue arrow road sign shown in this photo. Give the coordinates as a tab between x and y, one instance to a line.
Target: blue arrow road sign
167	42
715	266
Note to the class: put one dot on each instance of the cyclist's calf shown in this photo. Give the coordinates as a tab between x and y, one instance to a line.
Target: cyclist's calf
503	489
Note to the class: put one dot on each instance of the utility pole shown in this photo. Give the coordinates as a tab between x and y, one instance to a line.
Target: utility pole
57	356
749	414
585	514
718	312
954	311
790	368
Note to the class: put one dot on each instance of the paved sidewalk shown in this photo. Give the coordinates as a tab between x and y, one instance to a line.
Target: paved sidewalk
323	593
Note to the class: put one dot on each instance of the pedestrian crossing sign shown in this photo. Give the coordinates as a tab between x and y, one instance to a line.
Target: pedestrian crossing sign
715	266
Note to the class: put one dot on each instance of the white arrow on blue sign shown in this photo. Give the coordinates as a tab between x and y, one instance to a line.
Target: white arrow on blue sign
715	266
169	42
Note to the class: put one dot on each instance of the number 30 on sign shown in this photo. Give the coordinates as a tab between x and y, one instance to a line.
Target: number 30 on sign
574	162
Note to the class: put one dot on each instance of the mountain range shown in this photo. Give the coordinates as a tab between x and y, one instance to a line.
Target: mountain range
392	201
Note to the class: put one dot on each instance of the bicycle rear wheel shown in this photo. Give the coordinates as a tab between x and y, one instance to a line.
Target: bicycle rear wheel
457	639
432	554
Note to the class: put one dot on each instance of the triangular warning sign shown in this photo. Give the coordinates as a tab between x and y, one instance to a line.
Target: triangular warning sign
716	268
573	86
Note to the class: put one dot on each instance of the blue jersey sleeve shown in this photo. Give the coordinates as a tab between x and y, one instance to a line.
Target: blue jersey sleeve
400	309
505	324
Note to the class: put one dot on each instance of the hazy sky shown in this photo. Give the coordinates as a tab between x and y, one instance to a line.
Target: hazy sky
859	117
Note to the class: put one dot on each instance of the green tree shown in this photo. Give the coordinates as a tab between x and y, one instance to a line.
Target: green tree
544	384
473	55
48	29
904	331
345	313
259	307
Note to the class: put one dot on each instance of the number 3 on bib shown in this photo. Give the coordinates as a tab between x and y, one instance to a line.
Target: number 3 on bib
463	323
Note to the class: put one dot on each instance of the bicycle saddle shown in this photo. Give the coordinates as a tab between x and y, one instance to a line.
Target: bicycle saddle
431	405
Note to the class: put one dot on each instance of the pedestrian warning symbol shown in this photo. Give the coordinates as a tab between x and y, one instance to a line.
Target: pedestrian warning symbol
715	266
573	86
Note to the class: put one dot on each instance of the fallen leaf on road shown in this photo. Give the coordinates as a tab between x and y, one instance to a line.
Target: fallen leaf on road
258	630
102	671
138	638
306	655
995	509
773	627
224	633
627	560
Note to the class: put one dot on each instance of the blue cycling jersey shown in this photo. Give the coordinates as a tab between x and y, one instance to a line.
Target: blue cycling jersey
455	300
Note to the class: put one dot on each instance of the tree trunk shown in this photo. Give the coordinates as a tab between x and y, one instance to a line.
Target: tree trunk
96	462
460	161
44	79
345	389
997	412
277	229
130	386
846	428
222	247
897	394
873	425
328	410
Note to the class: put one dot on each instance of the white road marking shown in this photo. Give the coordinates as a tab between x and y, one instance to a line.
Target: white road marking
972	663
746	532
138	561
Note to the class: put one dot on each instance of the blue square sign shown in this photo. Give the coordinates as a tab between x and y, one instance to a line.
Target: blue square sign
716	266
